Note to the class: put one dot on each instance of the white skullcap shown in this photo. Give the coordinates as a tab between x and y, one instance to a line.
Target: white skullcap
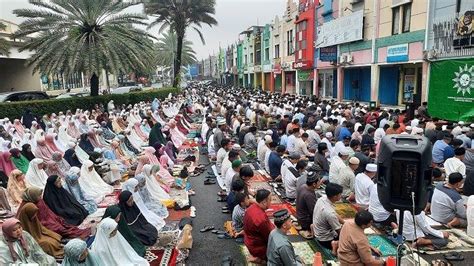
354	160
269	132
328	135
268	139
371	167
317	127
71	144
408	128
236	147
344	151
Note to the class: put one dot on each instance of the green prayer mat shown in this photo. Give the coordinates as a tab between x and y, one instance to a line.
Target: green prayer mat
325	253
386	247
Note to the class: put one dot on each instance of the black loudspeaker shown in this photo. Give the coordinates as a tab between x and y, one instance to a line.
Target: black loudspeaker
404	166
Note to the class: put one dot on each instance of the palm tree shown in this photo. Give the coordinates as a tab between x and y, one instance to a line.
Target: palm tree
179	15
166	49
4	44
87	36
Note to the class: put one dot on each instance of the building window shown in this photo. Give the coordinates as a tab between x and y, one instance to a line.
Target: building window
301	26
245	60
277	51
303	44
300	54
251	58
396	20
289	42
267	53
406	18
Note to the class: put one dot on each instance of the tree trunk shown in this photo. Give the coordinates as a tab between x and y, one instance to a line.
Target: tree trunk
107	82
177	64
94	85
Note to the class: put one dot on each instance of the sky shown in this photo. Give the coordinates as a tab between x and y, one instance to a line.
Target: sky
233	16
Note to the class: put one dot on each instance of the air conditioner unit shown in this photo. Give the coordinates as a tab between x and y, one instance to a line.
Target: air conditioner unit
430	54
349	58
342	58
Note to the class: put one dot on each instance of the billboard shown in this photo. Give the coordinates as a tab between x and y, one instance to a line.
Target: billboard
341	30
451	90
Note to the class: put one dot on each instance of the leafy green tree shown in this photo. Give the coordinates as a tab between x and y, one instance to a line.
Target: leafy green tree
4	44
166	49
87	36
179	15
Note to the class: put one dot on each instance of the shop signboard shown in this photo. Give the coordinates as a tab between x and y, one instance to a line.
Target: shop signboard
397	53
328	54
451	92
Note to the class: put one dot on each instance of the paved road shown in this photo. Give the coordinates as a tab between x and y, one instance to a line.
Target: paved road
207	248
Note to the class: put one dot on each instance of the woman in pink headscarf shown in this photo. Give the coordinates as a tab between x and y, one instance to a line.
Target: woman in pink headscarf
139	132
19	247
142	161
150	153
42	150
19	127
6	164
119	154
72	130
177	137
49	140
93	139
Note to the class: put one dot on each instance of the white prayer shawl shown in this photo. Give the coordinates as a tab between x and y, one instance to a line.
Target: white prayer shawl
150	216
63	137
152	185
34	176
114	250
92	183
81	154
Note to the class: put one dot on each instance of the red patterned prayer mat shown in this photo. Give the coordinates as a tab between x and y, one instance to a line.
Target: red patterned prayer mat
161	257
257	177
276	207
177	215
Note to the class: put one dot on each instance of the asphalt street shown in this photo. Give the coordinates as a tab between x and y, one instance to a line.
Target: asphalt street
207	248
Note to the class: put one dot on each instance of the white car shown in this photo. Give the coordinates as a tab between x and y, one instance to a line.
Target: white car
126	89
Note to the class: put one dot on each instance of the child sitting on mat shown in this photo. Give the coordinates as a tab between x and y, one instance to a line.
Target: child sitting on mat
236	228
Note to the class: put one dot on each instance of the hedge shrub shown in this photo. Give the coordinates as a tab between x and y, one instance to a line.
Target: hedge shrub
14	110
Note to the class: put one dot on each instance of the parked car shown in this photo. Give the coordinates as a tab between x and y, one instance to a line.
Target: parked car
72	95
127	89
18	96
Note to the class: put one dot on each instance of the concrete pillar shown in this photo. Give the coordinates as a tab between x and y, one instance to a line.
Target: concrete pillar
340	83
374	82
263	81
424	81
283	82
315	82
297	83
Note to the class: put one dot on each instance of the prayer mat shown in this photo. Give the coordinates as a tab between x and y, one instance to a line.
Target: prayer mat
167	239
275	199
459	241
325	253
177	215
161	257
257	177
110	199
276	207
260	185
345	210
386	247
302	249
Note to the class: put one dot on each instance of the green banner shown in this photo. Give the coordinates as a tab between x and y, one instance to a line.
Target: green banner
451	90
305	75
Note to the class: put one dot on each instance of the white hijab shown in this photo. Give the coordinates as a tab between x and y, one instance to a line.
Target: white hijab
152	185
151	217
34	176
114	250
92	184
